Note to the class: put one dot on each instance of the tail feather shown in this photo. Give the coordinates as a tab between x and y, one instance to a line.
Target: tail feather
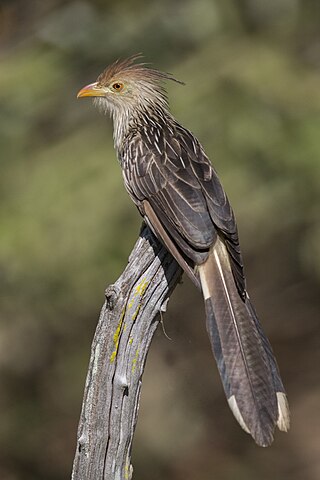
283	421
244	356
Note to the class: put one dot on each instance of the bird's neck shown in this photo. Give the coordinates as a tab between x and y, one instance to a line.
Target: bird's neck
129	120
122	120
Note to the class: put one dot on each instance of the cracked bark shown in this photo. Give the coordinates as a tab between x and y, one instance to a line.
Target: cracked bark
128	320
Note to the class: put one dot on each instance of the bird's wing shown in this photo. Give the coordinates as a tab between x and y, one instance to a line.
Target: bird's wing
172	173
161	233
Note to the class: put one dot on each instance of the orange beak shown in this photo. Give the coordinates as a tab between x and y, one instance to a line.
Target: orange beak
92	90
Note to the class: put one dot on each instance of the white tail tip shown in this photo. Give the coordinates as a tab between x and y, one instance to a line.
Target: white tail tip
236	412
283	421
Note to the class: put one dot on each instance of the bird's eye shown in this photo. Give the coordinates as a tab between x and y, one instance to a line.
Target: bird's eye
117	86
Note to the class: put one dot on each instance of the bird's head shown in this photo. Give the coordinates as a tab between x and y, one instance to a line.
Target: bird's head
125	87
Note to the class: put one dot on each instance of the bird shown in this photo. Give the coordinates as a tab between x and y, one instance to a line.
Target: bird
177	191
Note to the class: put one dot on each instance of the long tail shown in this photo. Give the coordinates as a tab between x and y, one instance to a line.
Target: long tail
245	360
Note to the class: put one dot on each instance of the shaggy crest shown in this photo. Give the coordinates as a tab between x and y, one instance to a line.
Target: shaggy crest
127	68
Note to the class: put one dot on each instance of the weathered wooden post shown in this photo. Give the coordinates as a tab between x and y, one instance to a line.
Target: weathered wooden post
120	346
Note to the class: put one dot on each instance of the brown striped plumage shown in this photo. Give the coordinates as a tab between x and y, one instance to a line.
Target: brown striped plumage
177	191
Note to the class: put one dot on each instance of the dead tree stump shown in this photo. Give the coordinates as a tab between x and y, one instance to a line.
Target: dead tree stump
128	320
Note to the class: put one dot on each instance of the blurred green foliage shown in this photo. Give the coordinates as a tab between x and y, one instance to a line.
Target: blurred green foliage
67	226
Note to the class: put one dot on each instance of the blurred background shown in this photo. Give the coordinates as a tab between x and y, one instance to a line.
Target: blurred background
252	97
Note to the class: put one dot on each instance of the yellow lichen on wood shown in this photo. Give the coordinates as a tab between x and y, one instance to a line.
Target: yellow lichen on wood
134	316
139	291
141	288
116	337
134	361
127	470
